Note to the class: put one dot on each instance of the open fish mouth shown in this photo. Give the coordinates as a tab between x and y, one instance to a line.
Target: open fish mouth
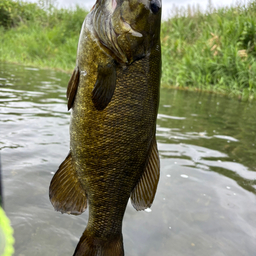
109	24
108	36
114	4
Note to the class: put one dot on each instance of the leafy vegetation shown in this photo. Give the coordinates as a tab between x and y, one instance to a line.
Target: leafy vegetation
39	34
212	50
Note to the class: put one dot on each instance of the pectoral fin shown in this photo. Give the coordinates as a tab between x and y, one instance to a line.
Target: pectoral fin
105	86
143	194
72	87
66	193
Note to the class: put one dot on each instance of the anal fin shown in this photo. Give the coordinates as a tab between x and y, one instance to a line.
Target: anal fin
143	194
66	193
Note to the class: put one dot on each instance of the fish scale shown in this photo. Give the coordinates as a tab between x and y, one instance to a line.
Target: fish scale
113	151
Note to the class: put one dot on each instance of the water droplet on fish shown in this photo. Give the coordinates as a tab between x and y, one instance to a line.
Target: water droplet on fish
163	198
83	73
148	210
168	175
228	187
175	162
52	173
184	176
219	161
170	227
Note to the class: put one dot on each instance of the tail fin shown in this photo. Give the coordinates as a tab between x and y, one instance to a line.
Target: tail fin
94	246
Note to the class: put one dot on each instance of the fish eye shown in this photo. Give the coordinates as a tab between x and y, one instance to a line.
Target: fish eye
155	6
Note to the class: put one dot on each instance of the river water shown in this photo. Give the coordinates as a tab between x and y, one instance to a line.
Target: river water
206	198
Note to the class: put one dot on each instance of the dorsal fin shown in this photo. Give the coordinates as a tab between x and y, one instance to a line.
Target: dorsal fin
72	87
143	194
66	193
105	86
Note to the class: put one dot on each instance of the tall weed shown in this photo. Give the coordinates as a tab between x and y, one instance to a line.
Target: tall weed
213	50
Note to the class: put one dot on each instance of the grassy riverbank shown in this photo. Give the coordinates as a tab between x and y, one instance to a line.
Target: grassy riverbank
39	34
213	50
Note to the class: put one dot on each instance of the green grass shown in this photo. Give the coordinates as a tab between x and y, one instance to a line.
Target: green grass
213	50
39	34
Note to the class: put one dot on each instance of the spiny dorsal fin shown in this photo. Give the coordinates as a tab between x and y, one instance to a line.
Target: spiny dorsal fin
72	87
66	193
143	194
105	86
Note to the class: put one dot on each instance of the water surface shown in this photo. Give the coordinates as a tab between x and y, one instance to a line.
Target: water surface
206	199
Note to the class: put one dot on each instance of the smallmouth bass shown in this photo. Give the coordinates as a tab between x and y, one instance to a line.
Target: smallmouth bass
114	96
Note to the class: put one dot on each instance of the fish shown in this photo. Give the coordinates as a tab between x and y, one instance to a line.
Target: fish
113	95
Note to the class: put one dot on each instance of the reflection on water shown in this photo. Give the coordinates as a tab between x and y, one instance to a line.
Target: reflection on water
217	133
205	203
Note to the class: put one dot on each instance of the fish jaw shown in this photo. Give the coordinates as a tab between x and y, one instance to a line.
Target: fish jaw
128	28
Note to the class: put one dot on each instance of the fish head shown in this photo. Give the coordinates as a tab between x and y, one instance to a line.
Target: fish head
130	29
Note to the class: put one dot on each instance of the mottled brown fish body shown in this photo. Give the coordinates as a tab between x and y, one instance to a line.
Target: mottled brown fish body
113	154
114	149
